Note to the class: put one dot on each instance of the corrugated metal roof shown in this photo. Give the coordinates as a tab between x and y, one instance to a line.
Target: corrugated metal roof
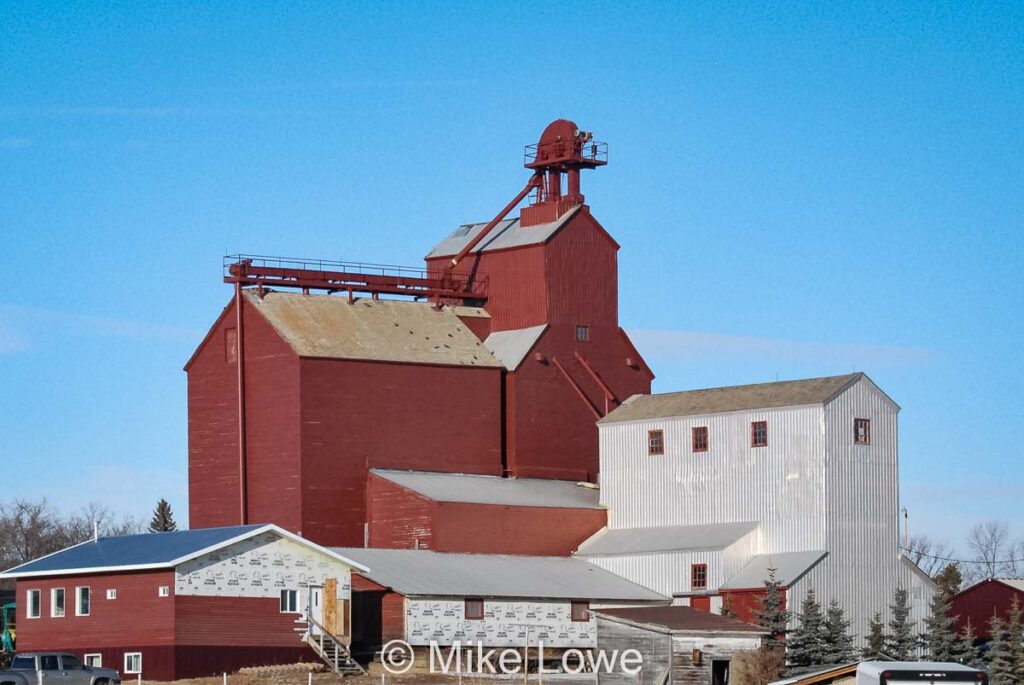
511	347
424	573
505	235
734	398
610	541
516	492
681	619
133	550
789	568
380	330
1015	583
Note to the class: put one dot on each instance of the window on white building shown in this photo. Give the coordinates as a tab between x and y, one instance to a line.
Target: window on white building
133	662
289	601
82	601
656	442
862	431
580	611
57	602
759	434
698	576
33	600
700	439
474	610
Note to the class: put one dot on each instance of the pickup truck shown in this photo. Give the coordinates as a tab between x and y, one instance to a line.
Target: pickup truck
54	668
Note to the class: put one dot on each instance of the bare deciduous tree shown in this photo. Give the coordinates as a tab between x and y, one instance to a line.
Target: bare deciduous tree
991	550
928	554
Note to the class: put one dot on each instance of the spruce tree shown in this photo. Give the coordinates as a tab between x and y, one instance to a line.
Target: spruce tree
838	643
964	651
997	657
163	518
875	648
771	614
949	580
900	643
940	639
1014	636
805	646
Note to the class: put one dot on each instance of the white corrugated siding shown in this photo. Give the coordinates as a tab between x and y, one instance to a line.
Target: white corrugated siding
664	572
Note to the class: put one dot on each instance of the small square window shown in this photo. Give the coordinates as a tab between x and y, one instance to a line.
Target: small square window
583	334
759	434
57	602
698	576
83	601
474	610
289	601
94	660
111	593
580	611
164	591
700	439
656	442
862	431
133	662
33	599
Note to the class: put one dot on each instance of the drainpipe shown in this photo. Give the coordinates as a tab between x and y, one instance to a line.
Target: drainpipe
243	494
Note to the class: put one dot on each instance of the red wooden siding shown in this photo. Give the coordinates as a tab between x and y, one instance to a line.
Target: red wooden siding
272	428
398	518
393	616
979	603
745	604
359	415
581	273
494	529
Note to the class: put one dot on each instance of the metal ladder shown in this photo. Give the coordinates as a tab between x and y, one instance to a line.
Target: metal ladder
331	650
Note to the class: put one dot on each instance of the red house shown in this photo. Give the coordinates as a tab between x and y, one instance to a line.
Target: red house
979	603
184	604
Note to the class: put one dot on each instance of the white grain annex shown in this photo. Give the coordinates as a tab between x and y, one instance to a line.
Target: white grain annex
812	488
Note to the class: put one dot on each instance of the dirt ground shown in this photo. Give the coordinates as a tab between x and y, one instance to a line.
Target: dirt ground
300	676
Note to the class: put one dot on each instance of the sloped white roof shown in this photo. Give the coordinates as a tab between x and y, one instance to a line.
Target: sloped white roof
511	347
425	573
789	568
475	489
505	235
611	541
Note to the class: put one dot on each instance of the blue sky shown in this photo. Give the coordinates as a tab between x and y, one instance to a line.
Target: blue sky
799	190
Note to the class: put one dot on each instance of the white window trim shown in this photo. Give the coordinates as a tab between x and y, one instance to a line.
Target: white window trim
163	591
131	654
53	602
99	659
78	600
296	610
111	593
28	603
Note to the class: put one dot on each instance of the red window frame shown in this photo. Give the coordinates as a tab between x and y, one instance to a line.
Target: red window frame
699	438
758	440
473	609
579	612
698	576
866	423
656	442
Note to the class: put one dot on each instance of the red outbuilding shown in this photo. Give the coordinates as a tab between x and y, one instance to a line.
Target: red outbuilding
980	603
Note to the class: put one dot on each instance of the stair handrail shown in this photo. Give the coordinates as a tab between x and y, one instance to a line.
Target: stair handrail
334	638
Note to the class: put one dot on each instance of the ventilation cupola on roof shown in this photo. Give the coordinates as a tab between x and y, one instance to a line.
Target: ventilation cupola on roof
563	148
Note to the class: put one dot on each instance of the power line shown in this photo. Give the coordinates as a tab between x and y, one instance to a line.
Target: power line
992	562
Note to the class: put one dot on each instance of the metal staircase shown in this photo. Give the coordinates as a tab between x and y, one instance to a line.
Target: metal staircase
331	650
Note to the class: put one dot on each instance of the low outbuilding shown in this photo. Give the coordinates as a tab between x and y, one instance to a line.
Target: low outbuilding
679	644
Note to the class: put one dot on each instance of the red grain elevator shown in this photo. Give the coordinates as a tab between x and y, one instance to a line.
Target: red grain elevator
502	362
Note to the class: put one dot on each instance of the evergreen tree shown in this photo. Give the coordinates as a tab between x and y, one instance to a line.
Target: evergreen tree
163	518
771	614
806	642
875	648
949	580
838	643
1014	636
997	657
940	639
900	643
965	652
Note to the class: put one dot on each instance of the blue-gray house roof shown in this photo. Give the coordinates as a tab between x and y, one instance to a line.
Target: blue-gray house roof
147	551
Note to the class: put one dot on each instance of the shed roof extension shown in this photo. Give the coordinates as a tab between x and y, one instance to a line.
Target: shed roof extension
511	347
612	541
475	489
789	568
733	398
505	235
425	573
378	330
148	551
680	619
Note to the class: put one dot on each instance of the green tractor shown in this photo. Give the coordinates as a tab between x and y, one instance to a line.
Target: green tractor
7	637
